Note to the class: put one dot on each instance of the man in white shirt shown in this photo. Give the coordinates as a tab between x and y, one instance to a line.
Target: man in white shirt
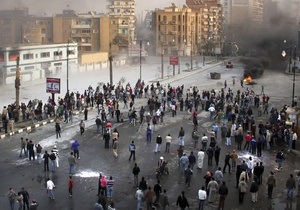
168	142
139	195
202	197
50	186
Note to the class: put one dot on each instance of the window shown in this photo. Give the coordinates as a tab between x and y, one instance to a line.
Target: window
43	31
29	68
28	56
57	64
13	70
86	31
45	54
57	53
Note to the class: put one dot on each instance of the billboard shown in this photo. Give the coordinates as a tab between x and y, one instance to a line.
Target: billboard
52	85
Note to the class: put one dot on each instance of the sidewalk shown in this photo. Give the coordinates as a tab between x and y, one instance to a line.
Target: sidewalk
25	126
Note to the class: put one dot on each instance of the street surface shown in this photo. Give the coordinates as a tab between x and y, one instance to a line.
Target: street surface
19	172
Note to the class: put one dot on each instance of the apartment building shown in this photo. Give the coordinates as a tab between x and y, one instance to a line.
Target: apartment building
212	35
84	29
177	31
122	17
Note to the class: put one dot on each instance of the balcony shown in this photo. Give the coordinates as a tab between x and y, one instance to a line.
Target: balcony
173	32
84	44
164	32
173	22
164	22
81	26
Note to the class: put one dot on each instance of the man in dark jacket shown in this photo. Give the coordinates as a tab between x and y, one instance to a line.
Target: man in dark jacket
223	192
136	170
217	154
227	158
182	201
157	190
106	138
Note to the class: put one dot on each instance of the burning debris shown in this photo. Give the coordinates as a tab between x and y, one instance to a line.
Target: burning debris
249	81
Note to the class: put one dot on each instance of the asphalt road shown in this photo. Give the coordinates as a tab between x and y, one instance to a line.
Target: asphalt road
18	172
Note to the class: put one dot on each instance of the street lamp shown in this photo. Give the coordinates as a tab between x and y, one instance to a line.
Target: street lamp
68	66
294	75
179	51
290	53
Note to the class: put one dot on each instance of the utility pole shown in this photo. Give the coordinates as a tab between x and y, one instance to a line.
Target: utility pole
178	53
141	45
17	85
294	76
110	58
110	70
162	61
68	66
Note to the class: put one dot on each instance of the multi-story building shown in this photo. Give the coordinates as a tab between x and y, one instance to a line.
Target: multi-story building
83	29
211	25
37	61
11	26
176	30
122	15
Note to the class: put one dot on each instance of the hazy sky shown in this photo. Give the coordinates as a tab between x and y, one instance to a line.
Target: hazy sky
40	7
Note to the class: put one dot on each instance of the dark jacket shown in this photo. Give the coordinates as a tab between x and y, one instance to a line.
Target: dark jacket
254	187
223	190
182	201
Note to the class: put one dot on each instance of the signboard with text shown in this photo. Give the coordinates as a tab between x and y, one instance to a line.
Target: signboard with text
52	85
173	60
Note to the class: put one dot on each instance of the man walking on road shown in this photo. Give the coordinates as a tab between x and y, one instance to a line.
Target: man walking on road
181	137
223	192
50	186
136	170
115	148
168	142
98	124
72	163
132	149
291	186
75	148
12	198
271	183
202	195
158	143
55	151
81	127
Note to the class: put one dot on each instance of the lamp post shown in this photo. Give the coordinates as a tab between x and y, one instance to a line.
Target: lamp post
162	60
68	66
110	58
179	51
141	44
290	53
294	75
192	52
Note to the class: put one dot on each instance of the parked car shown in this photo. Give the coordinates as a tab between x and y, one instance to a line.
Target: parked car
229	65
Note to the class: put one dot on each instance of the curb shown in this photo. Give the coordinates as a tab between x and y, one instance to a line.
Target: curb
36	125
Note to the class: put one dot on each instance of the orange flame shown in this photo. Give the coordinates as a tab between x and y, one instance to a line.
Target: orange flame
248	79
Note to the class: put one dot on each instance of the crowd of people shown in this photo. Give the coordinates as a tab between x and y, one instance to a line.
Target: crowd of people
234	124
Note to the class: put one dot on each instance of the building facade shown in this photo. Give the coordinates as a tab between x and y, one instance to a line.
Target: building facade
212	35
122	16
83	29
176	31
37	61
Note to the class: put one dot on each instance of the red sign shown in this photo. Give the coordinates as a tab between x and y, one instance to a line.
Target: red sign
52	85
173	60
